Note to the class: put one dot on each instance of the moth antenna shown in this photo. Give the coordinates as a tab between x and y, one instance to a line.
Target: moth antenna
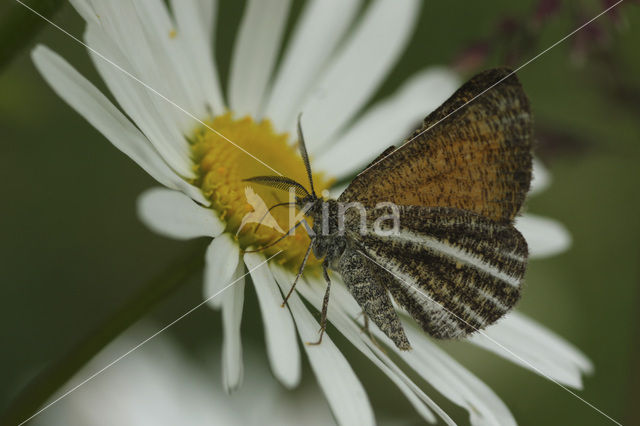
276	241
280	182
305	156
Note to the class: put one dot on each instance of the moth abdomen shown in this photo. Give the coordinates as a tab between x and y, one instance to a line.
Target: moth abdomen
365	283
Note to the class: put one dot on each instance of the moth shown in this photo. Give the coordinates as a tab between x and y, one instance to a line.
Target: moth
454	260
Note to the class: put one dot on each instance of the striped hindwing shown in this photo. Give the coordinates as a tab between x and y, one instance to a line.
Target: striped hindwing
454	271
472	153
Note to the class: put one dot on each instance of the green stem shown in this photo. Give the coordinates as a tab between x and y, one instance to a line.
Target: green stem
43	386
19	25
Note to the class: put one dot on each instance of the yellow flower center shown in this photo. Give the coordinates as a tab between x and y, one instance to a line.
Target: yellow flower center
221	167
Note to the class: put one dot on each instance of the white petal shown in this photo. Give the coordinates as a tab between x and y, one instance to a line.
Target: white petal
106	118
84	8
138	101
387	123
208	12
313	293
233	301
545	237
541	177
172	53
344	392
280	334
173	214
195	19
154	385
318	31
136	48
222	258
254	54
530	345
364	61
550	340
454	381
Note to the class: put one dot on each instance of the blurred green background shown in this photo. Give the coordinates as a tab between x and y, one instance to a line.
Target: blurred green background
73	250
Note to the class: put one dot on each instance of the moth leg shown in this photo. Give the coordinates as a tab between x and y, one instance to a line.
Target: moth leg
365	329
299	274
325	306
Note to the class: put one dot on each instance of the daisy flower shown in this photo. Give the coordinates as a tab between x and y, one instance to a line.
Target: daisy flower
199	142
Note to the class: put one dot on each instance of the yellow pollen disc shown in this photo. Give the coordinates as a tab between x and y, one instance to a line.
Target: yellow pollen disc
220	168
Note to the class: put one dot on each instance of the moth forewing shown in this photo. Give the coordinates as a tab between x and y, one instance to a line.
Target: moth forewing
474	156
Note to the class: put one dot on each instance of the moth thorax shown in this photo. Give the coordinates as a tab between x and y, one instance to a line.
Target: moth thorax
329	247
327	234
325	215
